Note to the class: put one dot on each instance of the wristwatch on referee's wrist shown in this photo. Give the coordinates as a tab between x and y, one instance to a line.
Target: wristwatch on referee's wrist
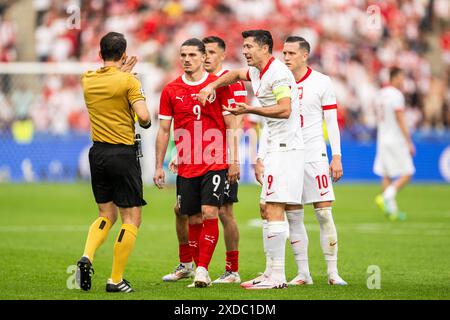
146	126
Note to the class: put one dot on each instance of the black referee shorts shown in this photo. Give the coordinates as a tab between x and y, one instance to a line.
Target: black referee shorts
207	189
116	175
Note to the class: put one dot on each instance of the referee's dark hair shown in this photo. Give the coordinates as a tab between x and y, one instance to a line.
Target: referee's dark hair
194	42
261	37
215	39
394	71
302	43
112	46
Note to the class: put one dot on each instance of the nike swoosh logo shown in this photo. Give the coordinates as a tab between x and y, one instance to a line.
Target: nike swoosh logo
269	193
256	282
294	242
332	244
323	193
268	237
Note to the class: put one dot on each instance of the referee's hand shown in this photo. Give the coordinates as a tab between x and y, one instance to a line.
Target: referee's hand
159	178
129	64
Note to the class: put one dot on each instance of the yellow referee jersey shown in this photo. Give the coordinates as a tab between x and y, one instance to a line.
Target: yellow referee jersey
109	94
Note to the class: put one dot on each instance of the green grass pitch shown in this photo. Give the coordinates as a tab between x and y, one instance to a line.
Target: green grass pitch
43	229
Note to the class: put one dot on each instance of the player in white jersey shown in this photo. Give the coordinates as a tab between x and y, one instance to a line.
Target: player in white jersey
317	103
274	86
395	148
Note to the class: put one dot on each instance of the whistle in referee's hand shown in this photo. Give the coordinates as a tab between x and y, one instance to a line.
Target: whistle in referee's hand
138	145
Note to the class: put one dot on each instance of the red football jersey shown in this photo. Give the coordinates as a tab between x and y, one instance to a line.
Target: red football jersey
199	131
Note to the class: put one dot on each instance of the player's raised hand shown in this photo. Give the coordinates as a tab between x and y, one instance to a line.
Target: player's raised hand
205	94
241	108
129	64
336	171
259	171
233	173
159	178
173	165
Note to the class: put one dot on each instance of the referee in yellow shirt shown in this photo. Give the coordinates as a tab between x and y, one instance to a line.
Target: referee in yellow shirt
113	98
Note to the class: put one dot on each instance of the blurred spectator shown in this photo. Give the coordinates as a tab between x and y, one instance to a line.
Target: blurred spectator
434	105
354	41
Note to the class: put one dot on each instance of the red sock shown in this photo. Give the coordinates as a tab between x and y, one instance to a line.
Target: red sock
208	241
194	236
232	262
185	253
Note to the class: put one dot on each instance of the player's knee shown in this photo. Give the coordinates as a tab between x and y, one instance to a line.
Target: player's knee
323	214
210	212
262	211
110	216
181	220
325	218
196	218
274	212
131	216
135	219
176	210
225	212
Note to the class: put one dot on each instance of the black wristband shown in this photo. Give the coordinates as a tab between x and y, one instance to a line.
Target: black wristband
148	125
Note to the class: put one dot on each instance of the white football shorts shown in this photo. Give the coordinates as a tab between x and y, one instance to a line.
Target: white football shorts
317	186
283	177
393	161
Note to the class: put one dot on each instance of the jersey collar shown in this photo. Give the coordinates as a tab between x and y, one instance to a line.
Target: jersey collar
191	83
266	67
308	72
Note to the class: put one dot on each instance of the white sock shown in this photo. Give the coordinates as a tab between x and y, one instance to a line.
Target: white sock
268	270
390	192
188	265
328	238
389	197
276	246
288	232
298	239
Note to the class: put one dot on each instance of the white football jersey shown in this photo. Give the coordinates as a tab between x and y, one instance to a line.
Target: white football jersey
283	134
390	100
316	94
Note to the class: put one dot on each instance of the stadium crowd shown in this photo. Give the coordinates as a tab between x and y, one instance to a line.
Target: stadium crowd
354	41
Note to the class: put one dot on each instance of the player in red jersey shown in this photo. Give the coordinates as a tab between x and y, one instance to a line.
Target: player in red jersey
200	133
215	55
